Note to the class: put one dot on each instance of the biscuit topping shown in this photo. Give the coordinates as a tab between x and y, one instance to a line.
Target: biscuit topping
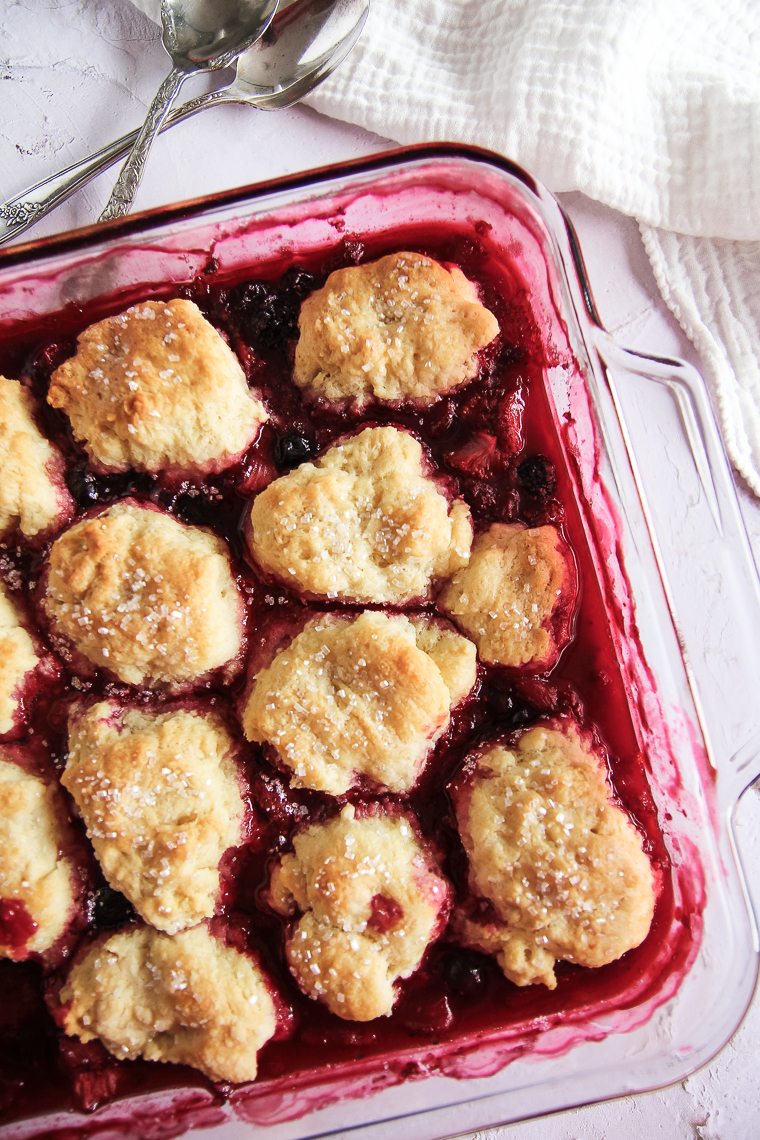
562	865
17	659
360	696
400	327
157	387
372	901
160	796
509	597
30	497
145	596
185	998
362	523
35	881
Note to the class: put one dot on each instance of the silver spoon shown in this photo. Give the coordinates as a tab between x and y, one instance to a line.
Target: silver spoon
301	47
198	35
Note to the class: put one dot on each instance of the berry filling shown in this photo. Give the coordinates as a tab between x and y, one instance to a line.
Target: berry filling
492	442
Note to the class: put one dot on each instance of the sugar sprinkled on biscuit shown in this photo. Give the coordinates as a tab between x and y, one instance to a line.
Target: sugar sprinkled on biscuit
160	796
186	998
143	595
371	902
31	497
157	387
562	865
399	327
17	660
362	523
366	695
517	580
32	871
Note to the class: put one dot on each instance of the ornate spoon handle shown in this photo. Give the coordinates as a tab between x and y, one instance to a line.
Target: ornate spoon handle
123	193
23	211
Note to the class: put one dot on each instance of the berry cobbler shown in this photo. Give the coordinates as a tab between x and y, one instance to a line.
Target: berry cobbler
310	734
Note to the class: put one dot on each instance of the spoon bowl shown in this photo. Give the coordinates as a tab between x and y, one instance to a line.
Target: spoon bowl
276	72
198	35
311	38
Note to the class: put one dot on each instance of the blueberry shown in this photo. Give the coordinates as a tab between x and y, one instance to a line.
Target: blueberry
83	486
464	973
268	312
292	448
537	476
507	707
522	716
110	909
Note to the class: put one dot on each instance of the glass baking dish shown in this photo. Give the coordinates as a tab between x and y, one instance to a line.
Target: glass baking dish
655	500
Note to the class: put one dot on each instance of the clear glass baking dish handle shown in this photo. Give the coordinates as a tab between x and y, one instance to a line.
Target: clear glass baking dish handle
701	547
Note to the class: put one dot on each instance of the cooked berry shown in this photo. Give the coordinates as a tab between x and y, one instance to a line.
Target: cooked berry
465	973
109	909
83	486
268	312
88	488
537	476
478	455
52	355
292	448
509	708
421	1015
279	802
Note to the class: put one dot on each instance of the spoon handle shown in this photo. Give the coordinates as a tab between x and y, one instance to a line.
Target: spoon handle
25	209
123	193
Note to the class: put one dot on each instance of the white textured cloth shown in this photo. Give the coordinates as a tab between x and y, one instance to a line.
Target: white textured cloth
650	106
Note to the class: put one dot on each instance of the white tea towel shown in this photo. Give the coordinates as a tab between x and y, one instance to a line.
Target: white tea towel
650	106
713	287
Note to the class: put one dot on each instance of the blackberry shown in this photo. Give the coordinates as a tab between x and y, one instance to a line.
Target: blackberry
464	973
538	476
292	448
268	313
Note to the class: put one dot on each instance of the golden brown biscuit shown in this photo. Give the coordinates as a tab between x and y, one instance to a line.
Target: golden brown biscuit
186	998
143	595
516	595
17	660
32	492
562	865
360	696
362	523
157	387
32	871
400	327
160	795
372	901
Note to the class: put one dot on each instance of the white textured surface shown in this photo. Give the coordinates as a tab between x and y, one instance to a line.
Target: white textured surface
77	74
650	106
